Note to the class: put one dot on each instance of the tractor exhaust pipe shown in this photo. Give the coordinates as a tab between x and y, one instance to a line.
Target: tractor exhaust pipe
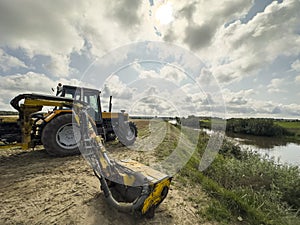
110	104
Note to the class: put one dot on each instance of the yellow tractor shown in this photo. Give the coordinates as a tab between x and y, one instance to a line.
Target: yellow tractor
128	185
56	129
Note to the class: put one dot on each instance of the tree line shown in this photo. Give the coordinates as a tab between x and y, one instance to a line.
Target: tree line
8	113
251	126
255	126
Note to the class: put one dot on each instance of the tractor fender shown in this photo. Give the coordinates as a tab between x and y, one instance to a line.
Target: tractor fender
56	113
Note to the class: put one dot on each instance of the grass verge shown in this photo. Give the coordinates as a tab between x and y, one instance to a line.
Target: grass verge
292	127
245	188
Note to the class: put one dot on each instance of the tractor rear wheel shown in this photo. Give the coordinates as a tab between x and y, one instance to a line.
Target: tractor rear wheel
61	136
127	134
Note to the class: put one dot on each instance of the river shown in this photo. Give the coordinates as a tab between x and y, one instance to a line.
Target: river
283	151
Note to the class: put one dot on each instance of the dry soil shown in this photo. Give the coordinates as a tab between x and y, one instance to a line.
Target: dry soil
36	188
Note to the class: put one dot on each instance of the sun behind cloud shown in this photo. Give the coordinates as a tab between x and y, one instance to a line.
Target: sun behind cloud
164	13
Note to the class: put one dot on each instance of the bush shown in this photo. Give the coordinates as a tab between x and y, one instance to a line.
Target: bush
249	186
255	126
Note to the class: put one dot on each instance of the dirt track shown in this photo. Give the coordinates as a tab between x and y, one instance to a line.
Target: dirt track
38	189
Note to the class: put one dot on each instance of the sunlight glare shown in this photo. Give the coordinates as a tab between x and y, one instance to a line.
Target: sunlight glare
164	13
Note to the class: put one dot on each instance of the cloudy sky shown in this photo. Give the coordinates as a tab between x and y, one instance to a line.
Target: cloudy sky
238	58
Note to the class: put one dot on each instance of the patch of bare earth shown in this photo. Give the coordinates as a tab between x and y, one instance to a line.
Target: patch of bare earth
36	188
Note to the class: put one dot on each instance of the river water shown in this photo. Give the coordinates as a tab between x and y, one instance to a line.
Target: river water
283	151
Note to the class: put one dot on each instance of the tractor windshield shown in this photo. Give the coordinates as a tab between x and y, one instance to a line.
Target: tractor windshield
92	100
87	95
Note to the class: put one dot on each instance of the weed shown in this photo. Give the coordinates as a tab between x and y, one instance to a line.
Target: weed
246	187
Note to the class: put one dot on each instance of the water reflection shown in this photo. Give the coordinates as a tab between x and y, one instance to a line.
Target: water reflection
259	141
280	149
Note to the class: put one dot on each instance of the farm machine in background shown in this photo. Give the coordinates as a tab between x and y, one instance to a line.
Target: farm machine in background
56	130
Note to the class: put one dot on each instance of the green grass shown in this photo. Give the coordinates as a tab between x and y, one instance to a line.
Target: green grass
293	127
143	127
9	118
244	188
5	113
289	124
4	147
254	190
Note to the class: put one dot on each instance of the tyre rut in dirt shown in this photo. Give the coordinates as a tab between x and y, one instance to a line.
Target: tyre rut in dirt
127	134
60	136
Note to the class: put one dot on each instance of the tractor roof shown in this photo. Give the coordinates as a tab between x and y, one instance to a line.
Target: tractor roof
77	87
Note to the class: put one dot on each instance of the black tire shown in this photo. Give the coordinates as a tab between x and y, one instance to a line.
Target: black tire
58	136
127	134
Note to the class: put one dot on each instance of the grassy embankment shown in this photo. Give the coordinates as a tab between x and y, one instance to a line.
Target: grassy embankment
244	188
8	117
5	113
287	129
291	126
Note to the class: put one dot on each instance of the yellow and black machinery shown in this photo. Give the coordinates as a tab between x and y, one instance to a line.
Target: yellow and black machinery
128	185
56	129
111	125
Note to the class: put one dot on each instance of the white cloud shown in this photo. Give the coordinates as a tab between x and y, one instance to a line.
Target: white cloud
113	86
4	106
241	49
59	28
46	28
276	85
173	74
212	30
154	106
7	61
145	73
29	82
108	25
197	21
59	65
239	101
13	85
126	12
244	104
297	79
76	82
286	110
167	72
296	65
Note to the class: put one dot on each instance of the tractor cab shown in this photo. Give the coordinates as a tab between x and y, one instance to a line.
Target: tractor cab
88	95
109	124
